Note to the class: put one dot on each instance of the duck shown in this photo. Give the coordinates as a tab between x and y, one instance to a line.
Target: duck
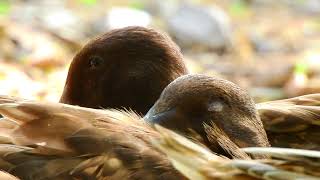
191	159
123	68
215	109
129	67
60	141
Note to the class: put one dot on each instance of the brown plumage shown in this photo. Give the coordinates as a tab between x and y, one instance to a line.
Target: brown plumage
294	122
59	141
123	68
200	104
196	162
123	147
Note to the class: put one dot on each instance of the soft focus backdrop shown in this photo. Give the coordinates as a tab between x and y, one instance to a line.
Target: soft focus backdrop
269	47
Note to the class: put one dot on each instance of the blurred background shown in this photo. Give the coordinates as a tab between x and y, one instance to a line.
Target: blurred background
269	47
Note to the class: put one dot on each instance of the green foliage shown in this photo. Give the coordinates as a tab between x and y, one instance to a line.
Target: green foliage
301	1
239	7
4	7
89	2
301	68
136	4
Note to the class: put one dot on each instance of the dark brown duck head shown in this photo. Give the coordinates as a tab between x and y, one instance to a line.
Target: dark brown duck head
124	68
192	101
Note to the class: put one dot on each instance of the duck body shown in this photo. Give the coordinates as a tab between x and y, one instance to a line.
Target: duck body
111	144
292	123
59	141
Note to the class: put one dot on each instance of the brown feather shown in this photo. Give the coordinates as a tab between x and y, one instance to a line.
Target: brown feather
119	145
215	134
290	122
73	142
202	164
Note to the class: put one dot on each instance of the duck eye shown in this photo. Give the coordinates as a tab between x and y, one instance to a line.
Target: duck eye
216	106
95	61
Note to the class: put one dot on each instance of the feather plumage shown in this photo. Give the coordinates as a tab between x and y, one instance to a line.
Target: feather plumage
58	141
203	164
290	122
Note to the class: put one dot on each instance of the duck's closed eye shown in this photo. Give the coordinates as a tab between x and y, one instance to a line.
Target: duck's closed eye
95	62
216	106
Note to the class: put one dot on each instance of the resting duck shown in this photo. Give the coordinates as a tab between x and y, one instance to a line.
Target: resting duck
129	67
197	103
123	68
60	141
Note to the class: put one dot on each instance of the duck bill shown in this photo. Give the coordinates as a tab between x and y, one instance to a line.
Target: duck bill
170	119
237	130
177	121
174	119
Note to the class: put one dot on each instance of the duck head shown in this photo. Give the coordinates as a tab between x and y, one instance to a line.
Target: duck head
124	68
191	101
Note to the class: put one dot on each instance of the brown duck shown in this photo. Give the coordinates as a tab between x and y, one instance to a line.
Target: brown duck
129	67
59	141
194	104
123	68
